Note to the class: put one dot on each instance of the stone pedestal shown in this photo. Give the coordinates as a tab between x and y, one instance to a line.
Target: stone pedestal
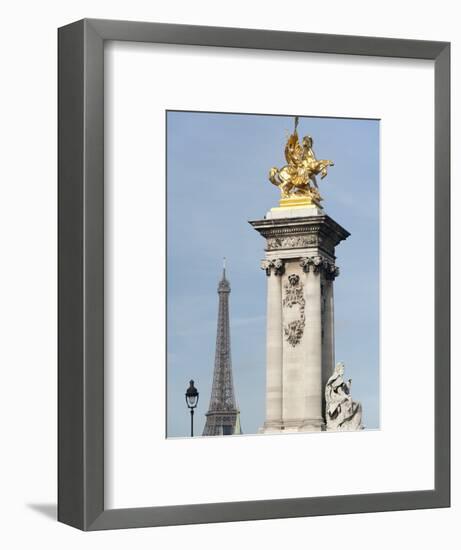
300	268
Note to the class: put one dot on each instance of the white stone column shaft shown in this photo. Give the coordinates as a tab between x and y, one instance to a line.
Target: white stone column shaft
328	333
274	359
313	390
293	355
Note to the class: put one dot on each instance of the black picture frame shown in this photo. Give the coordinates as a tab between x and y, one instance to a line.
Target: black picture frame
81	274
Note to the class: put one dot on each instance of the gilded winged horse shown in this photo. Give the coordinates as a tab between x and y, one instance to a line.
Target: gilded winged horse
294	179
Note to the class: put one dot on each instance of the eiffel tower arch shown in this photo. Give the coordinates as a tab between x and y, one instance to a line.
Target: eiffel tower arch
223	416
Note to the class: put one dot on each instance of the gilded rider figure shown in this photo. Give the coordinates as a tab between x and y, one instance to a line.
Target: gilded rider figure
294	179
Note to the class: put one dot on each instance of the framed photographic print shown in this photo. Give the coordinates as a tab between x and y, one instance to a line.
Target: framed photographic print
253	274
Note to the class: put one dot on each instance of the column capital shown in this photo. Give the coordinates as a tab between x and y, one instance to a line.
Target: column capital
275	265
320	264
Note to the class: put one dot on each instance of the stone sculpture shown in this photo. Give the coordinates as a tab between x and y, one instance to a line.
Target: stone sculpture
341	412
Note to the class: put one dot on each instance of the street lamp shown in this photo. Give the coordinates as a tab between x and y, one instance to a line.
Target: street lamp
192	401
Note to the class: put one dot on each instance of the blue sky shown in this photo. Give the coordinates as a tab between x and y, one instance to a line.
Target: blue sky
217	167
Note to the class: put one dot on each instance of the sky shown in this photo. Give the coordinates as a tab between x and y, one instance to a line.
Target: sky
217	180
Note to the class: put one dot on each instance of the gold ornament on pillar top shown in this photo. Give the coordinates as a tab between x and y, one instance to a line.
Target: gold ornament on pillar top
296	180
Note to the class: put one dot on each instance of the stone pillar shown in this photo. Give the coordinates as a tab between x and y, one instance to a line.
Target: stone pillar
313	387
294	352
300	264
274	383
328	329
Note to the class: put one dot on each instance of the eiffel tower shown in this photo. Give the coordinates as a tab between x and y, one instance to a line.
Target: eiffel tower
223	417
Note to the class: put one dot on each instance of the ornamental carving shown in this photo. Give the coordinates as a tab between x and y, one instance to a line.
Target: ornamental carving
319	264
277	266
296	241
293	304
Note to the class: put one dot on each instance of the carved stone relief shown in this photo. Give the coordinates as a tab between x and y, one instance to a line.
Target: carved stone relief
296	241
293	304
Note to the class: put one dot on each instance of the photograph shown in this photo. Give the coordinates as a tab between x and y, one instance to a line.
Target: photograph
229	280
273	274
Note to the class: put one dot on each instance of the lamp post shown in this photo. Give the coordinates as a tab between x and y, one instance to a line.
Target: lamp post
192	401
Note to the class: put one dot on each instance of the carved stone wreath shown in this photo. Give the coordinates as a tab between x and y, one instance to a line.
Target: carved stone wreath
294	298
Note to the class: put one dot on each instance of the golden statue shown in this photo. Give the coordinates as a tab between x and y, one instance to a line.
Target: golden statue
296	180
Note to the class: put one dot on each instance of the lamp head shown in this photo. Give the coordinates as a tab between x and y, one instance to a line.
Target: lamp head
192	395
